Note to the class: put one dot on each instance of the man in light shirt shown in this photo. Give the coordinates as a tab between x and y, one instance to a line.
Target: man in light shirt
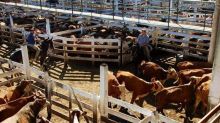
143	41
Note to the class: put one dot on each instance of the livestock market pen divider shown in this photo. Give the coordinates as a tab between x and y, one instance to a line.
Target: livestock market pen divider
99	107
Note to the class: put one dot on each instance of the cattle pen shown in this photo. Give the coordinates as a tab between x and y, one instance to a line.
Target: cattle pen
99	107
87	45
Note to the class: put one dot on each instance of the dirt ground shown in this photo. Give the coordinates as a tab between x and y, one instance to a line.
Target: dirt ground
84	76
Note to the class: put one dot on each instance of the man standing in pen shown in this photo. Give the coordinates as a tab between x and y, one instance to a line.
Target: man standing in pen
31	41
143	41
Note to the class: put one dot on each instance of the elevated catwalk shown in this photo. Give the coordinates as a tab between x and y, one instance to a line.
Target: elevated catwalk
126	19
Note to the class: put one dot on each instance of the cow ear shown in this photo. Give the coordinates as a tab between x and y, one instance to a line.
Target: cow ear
142	62
153	79
114	86
84	113
169	68
193	79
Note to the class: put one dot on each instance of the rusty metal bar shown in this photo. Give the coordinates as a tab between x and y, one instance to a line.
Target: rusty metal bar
210	114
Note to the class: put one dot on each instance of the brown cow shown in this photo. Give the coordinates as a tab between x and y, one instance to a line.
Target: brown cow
139	87
28	113
114	88
21	89
152	70
11	108
193	65
177	94
202	92
185	75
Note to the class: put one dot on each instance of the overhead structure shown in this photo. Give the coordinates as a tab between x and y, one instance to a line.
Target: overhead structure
123	18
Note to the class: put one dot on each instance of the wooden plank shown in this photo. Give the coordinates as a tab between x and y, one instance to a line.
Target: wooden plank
184	41
99	40
186	35
86	59
75	30
9	73
87	52
130	106
86	46
123	116
76	91
60	105
89	107
60	114
169	50
11	80
94	59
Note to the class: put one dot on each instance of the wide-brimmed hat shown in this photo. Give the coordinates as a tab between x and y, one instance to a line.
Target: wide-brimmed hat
143	30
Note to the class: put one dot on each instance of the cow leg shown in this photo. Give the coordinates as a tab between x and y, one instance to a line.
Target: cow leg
160	110
140	103
179	107
134	96
2	101
204	107
189	110
195	105
109	105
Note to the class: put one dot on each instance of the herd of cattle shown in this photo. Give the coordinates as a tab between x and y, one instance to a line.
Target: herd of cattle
189	86
22	104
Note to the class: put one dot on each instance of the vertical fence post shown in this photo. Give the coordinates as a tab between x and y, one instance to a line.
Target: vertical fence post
65	54
24	35
103	90
93	50
11	28
48	27
48	93
70	104
25	59
95	108
11	21
120	53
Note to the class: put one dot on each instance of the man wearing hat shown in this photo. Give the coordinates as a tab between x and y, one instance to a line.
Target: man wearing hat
31	41
143	41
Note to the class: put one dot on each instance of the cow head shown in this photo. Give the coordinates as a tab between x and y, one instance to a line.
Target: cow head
157	85
141	66
172	74
25	86
195	80
119	91
118	76
38	104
